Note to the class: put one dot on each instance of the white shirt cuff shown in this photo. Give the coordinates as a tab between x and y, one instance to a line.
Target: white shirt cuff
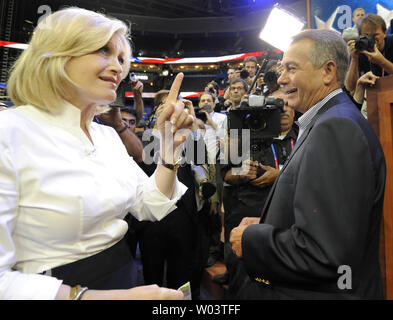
157	203
19	286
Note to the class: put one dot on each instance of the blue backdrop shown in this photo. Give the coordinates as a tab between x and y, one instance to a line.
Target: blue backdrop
324	9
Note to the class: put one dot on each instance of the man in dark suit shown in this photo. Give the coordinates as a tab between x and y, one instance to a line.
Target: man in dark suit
318	235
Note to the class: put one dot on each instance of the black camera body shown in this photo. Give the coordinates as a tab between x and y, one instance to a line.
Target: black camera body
271	78
262	117
365	42
200	114
244	74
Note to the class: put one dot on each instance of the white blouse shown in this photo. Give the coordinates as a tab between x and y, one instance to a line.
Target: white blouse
62	198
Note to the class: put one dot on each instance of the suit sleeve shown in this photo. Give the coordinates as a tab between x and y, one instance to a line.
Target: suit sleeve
332	199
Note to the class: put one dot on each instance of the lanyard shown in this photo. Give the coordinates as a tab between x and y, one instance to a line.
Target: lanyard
275	155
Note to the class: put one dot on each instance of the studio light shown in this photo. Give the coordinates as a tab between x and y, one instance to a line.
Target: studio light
280	27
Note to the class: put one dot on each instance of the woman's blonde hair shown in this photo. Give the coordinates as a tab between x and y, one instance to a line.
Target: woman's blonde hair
38	77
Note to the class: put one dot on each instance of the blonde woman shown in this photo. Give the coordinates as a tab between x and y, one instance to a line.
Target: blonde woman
66	183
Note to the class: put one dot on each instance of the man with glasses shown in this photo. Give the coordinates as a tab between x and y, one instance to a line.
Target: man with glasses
237	91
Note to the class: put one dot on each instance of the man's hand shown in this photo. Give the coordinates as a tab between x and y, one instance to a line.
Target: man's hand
209	120
352	50
368	79
374	56
237	233
213	208
246	221
248	170
137	87
267	178
235	239
227	103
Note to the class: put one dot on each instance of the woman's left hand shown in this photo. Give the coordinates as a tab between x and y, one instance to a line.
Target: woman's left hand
174	123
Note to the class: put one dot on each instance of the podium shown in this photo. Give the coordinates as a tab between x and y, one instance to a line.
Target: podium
380	116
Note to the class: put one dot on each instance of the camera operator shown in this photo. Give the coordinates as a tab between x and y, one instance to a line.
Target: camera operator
247	187
214	121
249	71
213	88
251	65
251	190
273	72
366	56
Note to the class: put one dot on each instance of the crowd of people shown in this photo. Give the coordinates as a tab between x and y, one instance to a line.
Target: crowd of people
86	183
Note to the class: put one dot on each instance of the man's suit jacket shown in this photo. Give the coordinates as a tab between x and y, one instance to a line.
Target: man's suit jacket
324	211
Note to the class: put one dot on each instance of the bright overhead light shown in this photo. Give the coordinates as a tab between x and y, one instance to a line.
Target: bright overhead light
141	77
280	27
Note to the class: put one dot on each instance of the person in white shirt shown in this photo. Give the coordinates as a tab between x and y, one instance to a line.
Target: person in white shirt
66	183
216	124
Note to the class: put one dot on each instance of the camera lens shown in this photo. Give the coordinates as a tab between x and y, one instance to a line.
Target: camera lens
255	148
244	74
254	121
200	114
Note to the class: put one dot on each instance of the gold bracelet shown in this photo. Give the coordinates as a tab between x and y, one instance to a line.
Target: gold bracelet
77	292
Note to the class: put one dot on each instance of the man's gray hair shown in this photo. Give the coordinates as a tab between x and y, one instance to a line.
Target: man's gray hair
327	45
